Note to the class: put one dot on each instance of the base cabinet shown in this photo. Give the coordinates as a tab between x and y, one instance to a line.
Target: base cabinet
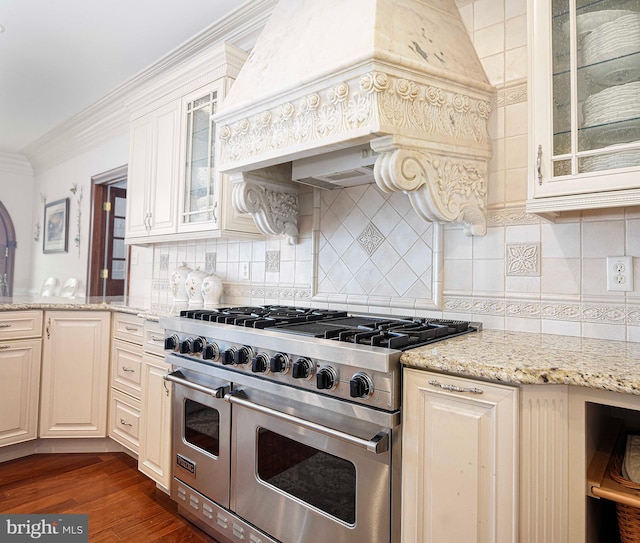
460	460
75	374
19	390
155	444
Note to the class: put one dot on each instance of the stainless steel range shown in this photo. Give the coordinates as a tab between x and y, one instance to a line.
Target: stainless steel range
286	421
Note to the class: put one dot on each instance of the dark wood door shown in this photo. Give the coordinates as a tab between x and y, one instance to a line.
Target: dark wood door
106	275
115	270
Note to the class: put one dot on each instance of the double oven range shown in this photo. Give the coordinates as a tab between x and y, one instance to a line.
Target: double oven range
287	422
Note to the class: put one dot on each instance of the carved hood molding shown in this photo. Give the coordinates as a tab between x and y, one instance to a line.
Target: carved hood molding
400	76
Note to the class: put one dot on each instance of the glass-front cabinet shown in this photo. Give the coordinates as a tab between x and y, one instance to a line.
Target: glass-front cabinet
585	104
206	195
199	190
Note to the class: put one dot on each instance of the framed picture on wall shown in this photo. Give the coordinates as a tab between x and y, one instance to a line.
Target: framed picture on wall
56	227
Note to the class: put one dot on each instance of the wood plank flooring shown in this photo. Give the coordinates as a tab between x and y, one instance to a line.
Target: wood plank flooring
123	504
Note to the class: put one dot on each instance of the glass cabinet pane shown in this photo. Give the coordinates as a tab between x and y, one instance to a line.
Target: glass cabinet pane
199	186
596	85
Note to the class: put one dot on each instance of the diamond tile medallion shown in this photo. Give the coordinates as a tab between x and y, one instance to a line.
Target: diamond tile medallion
374	249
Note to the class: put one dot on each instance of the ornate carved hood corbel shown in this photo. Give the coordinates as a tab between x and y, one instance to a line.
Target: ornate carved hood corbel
400	76
270	198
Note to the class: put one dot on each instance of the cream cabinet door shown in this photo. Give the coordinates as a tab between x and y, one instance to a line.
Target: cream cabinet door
459	470
154	456
163	206
19	390
75	374
152	174
138	177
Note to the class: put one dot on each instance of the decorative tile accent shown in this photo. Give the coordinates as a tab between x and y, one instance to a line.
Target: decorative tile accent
272	261
523	259
370	239
387	258
511	217
511	95
164	262
545	309
210	262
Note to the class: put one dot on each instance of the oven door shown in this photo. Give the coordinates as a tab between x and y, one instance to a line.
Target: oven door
201	433
302	481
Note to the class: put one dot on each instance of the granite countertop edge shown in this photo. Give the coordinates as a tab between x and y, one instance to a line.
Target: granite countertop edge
524	358
117	304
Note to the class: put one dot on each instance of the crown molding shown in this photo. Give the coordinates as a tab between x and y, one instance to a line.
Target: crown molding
15	163
109	117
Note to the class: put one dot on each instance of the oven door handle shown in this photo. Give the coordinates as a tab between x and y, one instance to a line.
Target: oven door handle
377	444
178	378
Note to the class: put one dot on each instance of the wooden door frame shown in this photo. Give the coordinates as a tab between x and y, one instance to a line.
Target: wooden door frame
99	187
6	221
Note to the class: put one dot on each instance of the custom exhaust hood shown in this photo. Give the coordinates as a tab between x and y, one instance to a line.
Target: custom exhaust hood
343	92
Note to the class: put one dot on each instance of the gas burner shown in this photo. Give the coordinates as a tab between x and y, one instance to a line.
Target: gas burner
398	333
266	316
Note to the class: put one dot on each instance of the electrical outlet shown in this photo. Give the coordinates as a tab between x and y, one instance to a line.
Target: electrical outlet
620	273
245	271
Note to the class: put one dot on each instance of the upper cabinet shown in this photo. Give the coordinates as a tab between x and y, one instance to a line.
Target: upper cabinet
174	190
153	173
585	104
205	194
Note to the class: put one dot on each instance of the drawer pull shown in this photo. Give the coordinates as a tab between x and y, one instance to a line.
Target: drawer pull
131	328
125	423
5	326
455	388
5	346
124	368
156	339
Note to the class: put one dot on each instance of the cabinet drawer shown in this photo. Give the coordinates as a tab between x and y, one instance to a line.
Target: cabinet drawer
153	338
128	327
124	420
20	324
126	368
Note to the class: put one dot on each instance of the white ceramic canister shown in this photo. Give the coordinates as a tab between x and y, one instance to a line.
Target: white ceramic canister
177	283
211	290
193	285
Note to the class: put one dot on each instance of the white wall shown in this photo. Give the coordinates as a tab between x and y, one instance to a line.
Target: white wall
16	194
55	183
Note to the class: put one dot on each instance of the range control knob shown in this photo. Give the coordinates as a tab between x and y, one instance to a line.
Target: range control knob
242	355
198	344
228	356
210	351
360	386
302	369
186	346
260	363
326	378
171	343
279	363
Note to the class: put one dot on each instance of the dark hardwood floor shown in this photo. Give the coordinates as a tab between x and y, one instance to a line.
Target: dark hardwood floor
123	505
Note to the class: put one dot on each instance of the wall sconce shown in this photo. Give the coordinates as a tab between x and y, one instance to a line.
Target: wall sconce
36	230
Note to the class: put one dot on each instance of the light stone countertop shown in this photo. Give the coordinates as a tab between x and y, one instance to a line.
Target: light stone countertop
98	303
529	358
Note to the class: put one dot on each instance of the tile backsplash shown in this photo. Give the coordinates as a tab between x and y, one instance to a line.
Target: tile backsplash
362	250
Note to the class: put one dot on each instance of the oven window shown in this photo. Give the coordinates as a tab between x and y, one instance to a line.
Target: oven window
201	426
315	477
